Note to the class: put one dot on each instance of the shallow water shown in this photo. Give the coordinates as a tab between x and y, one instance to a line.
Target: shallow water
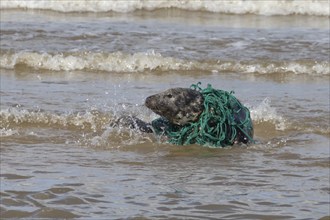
65	78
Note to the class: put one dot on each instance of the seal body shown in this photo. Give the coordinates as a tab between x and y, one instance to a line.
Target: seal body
178	105
183	108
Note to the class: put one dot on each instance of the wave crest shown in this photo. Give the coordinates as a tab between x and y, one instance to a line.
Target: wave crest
152	61
94	121
113	62
88	121
286	7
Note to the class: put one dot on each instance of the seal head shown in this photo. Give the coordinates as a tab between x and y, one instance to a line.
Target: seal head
178	105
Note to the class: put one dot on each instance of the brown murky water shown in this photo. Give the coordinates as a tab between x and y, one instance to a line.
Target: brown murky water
65	78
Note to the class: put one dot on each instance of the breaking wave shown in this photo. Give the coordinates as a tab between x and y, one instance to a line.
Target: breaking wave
286	7
151	61
96	124
91	121
103	129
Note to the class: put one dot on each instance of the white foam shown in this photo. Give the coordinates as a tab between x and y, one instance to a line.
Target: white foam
112	62
81	120
94	128
4	132
284	7
264	112
152	61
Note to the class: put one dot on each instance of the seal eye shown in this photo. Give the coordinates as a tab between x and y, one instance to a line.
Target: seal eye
169	96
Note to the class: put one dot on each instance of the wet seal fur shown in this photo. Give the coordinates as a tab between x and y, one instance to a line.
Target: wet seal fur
178	107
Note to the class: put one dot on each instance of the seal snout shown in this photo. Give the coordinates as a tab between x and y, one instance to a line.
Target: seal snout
150	103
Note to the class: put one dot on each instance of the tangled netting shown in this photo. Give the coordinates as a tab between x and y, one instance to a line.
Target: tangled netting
223	119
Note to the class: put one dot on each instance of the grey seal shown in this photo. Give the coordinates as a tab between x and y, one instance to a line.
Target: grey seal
180	106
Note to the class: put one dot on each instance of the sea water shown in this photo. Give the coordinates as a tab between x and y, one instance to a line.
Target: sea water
70	69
